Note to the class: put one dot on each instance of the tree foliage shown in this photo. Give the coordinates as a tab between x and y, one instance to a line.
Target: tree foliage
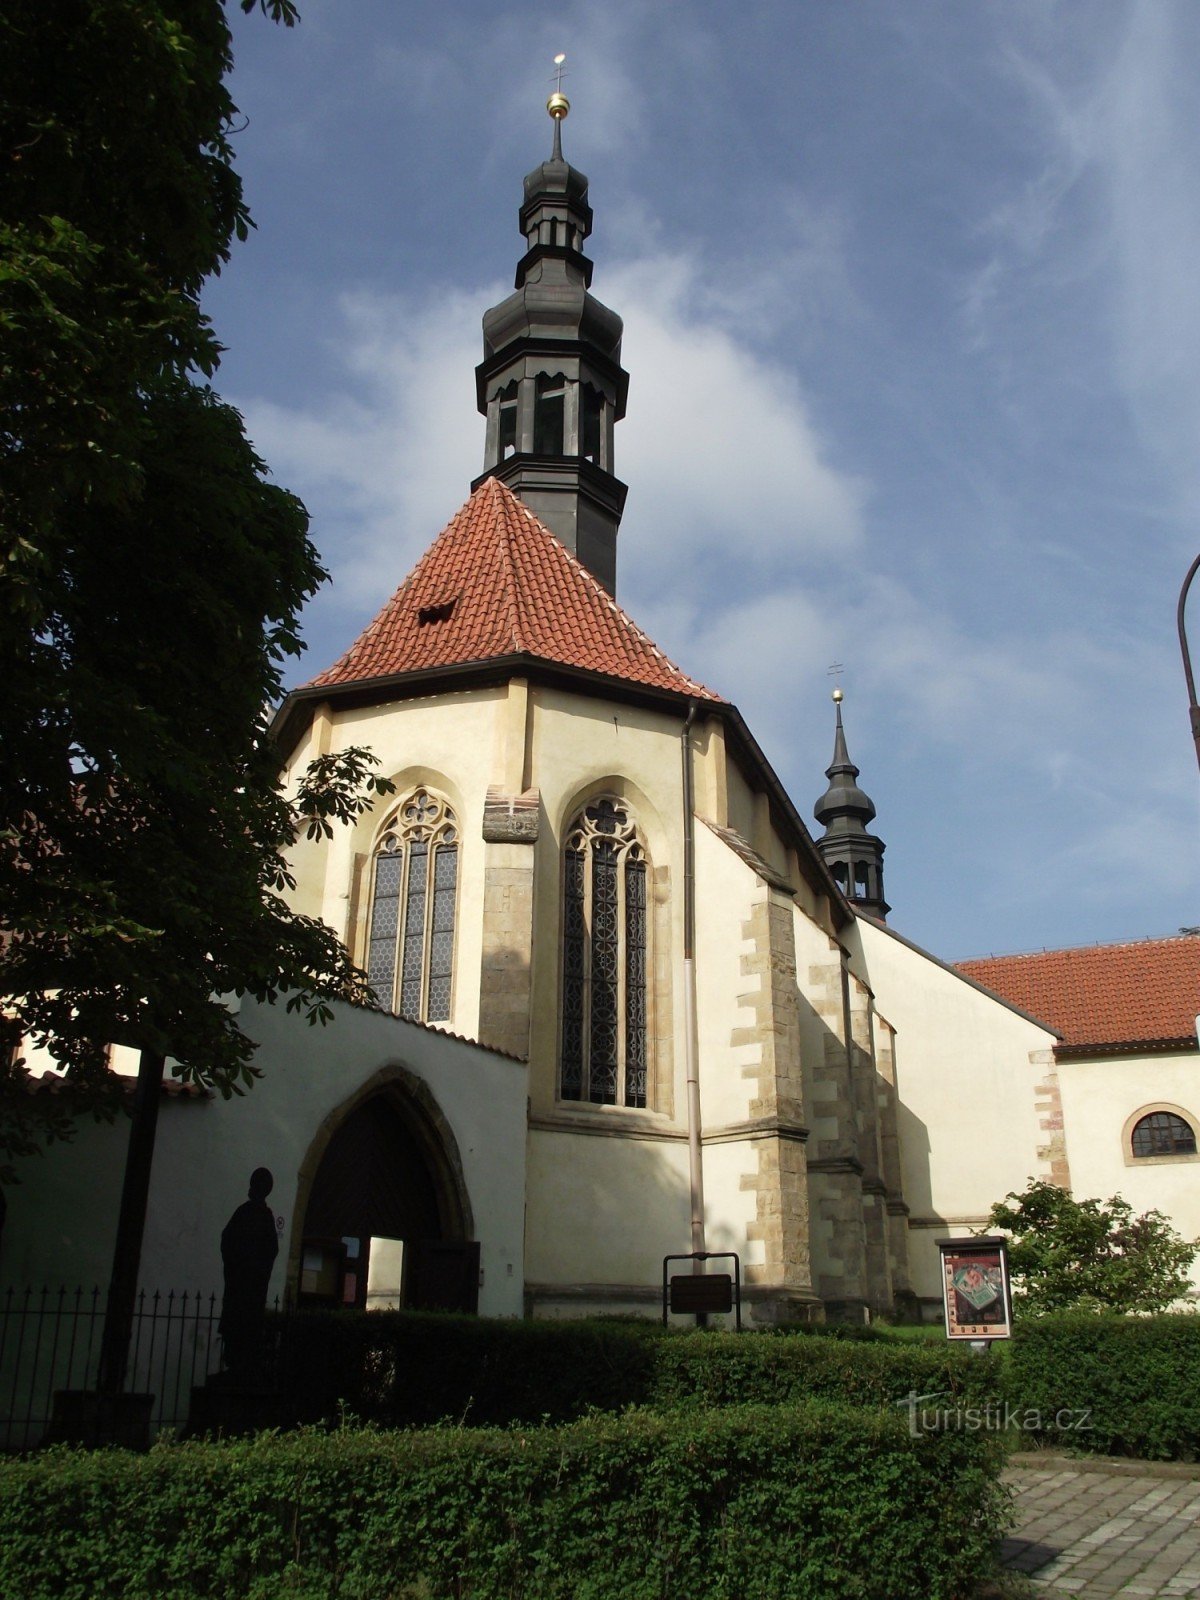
1066	1254
150	574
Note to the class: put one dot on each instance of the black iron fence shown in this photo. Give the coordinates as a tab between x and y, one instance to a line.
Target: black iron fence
50	1342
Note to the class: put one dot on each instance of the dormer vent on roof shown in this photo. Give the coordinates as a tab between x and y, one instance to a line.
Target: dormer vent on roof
441	611
551	384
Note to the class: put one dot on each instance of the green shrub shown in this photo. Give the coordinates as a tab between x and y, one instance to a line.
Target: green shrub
407	1370
1066	1254
1136	1378
725	1369
786	1503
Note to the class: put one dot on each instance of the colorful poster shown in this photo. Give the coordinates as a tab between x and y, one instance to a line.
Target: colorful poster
975	1288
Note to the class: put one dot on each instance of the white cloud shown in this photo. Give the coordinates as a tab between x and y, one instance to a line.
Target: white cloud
383	462
719	446
718	439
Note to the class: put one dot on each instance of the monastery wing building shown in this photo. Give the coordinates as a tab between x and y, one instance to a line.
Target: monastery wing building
628	1006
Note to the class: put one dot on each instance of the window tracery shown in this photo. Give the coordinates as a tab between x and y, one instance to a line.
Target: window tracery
605	958
410	947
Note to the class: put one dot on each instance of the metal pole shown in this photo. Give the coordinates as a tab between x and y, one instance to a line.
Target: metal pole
1193	708
691	1045
131	1224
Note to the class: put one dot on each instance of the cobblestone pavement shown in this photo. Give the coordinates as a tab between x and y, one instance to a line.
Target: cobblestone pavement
1096	1530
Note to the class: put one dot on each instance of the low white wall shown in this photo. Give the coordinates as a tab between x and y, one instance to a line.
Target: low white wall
62	1216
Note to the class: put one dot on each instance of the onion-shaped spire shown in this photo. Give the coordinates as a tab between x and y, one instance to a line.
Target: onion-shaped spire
551	384
853	856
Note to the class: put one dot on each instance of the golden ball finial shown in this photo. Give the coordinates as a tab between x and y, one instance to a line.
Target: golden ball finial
837	697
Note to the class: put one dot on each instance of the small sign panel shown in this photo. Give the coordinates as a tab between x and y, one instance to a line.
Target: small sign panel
975	1288
713	1292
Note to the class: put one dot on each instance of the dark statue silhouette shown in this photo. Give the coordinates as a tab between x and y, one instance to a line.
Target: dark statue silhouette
249	1245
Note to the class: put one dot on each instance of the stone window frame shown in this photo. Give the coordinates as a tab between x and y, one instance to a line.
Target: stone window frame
442	830
1149	1110
660	1087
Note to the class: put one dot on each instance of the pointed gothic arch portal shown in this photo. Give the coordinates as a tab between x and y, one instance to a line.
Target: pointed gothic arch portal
387	1222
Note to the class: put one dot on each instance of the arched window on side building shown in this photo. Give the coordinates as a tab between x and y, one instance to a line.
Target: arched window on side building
1163	1133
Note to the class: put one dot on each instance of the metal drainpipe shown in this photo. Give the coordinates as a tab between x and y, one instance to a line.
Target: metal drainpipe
691	1048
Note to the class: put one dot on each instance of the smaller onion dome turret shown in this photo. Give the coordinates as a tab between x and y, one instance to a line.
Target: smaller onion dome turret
853	856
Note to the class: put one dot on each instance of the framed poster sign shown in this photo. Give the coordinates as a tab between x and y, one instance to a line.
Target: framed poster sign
975	1288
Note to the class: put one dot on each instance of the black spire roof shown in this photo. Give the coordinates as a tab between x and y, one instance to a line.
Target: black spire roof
551	382
854	856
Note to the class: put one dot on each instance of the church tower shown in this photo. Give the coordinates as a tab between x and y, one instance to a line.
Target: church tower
551	384
854	856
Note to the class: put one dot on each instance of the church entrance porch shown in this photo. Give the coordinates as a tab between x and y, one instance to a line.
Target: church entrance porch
386	1220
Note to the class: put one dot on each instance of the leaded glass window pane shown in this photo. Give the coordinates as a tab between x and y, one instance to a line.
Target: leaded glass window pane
441	946
605	965
1163	1133
413	909
635	983
413	966
605	942
385	926
574	977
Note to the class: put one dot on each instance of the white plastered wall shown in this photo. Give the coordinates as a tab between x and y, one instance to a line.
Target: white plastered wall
610	1208
448	743
579	748
1102	1097
967	1074
63	1214
607	1185
725	891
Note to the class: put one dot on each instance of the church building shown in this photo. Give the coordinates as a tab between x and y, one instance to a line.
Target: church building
629	1007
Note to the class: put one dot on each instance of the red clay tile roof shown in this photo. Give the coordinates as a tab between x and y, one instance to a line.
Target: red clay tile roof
496	582
1104	996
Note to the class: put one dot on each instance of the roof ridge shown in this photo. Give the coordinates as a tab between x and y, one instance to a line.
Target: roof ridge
610	600
1080	949
512	597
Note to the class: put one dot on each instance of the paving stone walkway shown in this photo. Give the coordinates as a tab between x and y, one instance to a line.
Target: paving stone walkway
1098	1530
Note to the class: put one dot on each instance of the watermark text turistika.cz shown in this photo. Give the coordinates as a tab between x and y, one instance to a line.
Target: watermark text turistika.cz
926	1416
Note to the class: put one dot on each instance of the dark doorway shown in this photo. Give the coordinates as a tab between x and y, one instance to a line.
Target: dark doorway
384	1226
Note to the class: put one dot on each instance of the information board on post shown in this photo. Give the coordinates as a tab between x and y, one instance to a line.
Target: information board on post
975	1289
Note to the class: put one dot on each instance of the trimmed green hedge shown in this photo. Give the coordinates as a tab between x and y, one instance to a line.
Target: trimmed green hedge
403	1369
751	1503
1136	1378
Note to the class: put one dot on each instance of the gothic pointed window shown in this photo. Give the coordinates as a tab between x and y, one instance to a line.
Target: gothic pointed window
605	958
410	948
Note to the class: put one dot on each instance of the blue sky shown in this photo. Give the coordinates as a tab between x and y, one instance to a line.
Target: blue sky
909	290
